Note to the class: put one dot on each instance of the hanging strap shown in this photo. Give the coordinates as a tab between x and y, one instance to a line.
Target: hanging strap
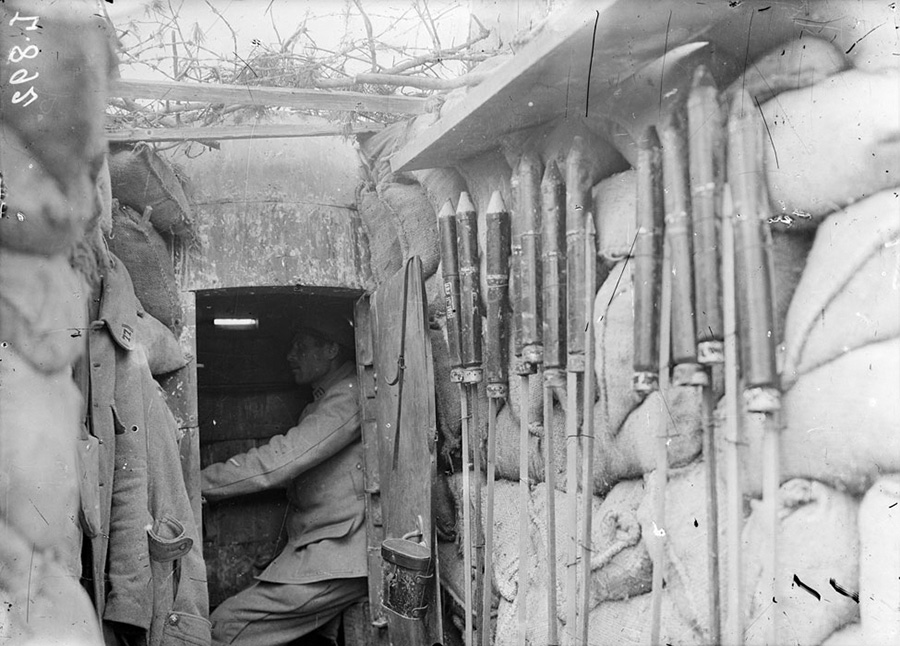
401	366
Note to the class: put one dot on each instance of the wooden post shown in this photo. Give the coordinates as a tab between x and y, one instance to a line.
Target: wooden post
587	432
734	522
661	446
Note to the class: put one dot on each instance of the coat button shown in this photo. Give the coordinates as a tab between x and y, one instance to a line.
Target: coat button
173	619
358	465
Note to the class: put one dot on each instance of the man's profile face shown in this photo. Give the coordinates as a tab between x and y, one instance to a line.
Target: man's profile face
309	358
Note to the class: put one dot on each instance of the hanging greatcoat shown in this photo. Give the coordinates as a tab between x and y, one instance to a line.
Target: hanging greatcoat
156	576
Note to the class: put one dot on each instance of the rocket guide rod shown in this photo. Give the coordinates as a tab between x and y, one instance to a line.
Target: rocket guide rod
587	486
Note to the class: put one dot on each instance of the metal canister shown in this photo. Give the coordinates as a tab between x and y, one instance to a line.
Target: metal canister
407	571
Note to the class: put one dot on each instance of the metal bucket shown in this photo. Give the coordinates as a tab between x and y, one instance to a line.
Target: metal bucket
406	570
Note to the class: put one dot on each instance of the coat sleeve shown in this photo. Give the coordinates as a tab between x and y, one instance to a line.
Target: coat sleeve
332	425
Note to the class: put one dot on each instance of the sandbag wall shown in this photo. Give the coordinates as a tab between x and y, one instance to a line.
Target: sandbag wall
831	174
51	155
88	446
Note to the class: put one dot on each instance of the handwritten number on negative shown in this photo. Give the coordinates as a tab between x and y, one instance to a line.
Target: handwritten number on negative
33	19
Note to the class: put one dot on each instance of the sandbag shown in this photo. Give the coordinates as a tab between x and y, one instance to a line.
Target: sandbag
440	184
840	422
793	65
141	178
103	199
615	215
631	453
375	151
789	250
805	553
627	623
614	343
67	61
39	417
832	144
383	232
848	294
685	529
164	353
41	215
41	603
866	31
43	310
879	562
415	222
143	252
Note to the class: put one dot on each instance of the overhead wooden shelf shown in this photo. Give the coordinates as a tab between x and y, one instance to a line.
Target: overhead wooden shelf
223	133
300	98
597	60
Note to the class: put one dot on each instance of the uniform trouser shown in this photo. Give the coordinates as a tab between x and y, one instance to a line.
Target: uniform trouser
271	614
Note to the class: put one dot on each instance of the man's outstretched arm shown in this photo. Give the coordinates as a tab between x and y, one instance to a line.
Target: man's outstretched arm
333	425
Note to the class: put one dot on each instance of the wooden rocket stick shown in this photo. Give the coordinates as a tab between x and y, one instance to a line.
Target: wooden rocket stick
661	446
707	161
450	270
554	307
734	520
496	362
587	432
578	188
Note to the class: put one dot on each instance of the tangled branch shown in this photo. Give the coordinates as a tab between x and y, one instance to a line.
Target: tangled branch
178	52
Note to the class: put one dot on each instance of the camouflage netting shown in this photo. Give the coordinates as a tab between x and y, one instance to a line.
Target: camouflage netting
832	173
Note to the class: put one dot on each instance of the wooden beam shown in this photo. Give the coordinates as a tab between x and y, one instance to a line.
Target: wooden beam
302	98
222	133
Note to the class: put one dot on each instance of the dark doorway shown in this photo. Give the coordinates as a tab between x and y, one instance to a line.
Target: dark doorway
246	394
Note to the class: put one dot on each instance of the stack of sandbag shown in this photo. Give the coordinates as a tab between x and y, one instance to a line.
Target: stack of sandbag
835	143
51	154
804	552
142	248
841	370
153	217
879	569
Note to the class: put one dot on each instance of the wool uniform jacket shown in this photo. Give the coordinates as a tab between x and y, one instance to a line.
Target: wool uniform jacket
319	462
148	535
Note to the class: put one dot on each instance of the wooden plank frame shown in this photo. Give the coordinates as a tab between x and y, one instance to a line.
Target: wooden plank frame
300	98
377	634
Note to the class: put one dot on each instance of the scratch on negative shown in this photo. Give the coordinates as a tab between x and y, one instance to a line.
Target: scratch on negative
28	596
662	72
587	93
746	58
768	132
863	36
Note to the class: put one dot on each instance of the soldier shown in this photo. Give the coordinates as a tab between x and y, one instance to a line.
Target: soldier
322	569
